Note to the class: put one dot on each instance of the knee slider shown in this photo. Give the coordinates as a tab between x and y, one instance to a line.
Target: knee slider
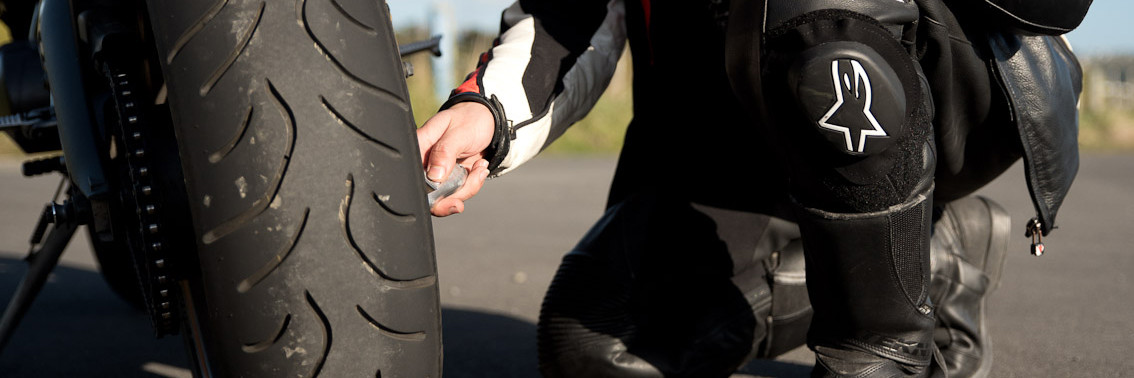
843	81
849	78
854	99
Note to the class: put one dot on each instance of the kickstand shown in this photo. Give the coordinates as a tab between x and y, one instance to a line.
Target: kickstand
41	262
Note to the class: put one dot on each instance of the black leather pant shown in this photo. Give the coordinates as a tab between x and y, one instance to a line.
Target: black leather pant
665	287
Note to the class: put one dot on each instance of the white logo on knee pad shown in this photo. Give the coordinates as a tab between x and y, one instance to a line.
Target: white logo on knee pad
858	87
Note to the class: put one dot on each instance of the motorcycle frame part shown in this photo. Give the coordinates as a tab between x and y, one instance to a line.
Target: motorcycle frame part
25	101
60	51
65	219
432	45
33	131
24	89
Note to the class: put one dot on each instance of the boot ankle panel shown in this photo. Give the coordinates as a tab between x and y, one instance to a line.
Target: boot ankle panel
871	256
840	362
908	241
909	253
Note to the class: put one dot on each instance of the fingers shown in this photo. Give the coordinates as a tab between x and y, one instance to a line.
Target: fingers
459	132
436	141
455	203
430	132
443	157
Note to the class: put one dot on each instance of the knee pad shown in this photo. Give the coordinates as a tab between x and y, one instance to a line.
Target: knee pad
851	102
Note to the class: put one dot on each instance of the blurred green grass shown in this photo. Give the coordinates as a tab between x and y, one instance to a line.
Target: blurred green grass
1106	108
1107	130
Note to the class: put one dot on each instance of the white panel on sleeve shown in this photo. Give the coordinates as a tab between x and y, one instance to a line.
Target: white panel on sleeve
504	73
583	84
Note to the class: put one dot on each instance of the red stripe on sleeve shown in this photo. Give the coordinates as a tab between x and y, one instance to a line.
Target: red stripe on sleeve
470	84
646	10
649	41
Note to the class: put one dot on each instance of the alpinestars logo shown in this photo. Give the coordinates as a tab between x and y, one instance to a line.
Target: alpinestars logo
852	106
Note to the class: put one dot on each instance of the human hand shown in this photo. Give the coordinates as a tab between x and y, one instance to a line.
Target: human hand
458	135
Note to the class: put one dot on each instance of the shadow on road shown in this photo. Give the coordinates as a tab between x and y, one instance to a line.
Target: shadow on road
79	327
479	344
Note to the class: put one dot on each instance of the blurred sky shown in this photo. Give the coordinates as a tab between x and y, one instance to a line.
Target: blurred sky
1108	29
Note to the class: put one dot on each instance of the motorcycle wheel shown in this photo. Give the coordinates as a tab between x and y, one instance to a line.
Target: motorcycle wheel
314	241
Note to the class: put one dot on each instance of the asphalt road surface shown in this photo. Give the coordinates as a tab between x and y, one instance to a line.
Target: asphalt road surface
1066	314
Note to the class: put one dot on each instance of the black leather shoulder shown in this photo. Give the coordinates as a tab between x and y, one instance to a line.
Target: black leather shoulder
1043	17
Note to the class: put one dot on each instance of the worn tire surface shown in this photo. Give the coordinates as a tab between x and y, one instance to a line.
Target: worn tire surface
314	241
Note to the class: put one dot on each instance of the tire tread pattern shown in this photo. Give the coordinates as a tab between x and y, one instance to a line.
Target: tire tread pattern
274	103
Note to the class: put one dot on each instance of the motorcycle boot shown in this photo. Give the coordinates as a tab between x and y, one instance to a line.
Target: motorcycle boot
967	252
868	279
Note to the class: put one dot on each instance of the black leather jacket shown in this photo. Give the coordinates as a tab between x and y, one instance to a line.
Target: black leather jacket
1043	80
1030	83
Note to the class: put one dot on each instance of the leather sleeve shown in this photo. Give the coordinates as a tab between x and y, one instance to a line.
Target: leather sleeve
551	62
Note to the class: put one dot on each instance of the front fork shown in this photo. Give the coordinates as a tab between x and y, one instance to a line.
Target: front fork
78	134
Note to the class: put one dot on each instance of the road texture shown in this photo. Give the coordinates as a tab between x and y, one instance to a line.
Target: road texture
1066	314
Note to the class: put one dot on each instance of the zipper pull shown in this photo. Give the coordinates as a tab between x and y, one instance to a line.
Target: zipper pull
1035	231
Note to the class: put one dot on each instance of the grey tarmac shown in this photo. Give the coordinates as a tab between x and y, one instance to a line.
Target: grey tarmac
1066	314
